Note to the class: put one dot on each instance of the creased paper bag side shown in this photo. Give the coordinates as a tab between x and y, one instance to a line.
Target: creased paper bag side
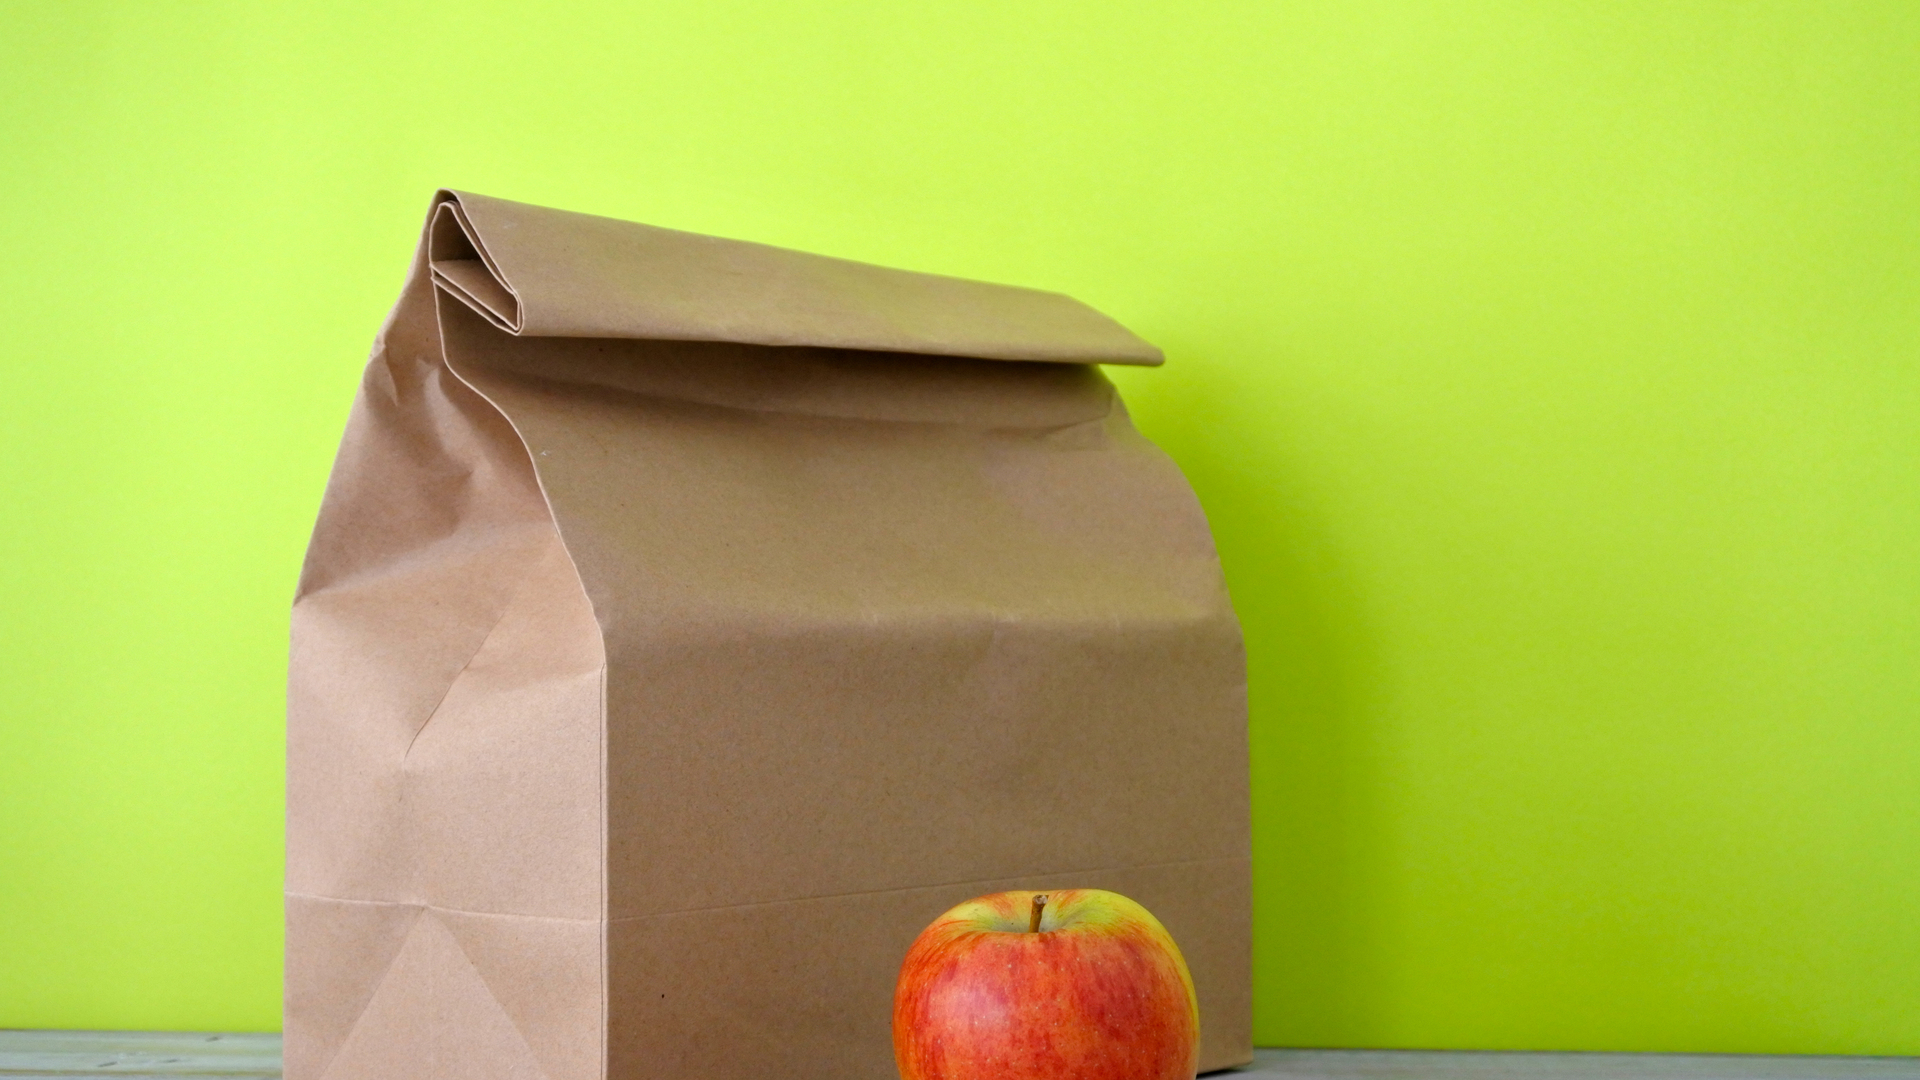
444	862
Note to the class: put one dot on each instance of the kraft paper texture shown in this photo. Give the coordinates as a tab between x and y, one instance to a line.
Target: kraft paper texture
689	622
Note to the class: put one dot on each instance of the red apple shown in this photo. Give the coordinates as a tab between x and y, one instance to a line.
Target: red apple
1077	984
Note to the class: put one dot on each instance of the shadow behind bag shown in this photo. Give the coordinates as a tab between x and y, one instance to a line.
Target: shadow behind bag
688	622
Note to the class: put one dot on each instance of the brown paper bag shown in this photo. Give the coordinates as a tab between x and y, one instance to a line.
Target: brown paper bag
688	622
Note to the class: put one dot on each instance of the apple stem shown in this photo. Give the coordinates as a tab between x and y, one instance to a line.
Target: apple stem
1033	922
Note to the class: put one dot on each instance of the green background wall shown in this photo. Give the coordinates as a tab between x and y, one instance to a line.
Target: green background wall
1549	372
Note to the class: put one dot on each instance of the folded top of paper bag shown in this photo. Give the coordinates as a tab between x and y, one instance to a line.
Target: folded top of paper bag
539	272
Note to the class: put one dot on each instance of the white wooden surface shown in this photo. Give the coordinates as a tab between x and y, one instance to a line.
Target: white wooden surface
46	1055
170	1054
1473	1065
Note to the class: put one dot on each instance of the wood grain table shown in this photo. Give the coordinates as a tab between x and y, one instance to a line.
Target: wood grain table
174	1055
171	1054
